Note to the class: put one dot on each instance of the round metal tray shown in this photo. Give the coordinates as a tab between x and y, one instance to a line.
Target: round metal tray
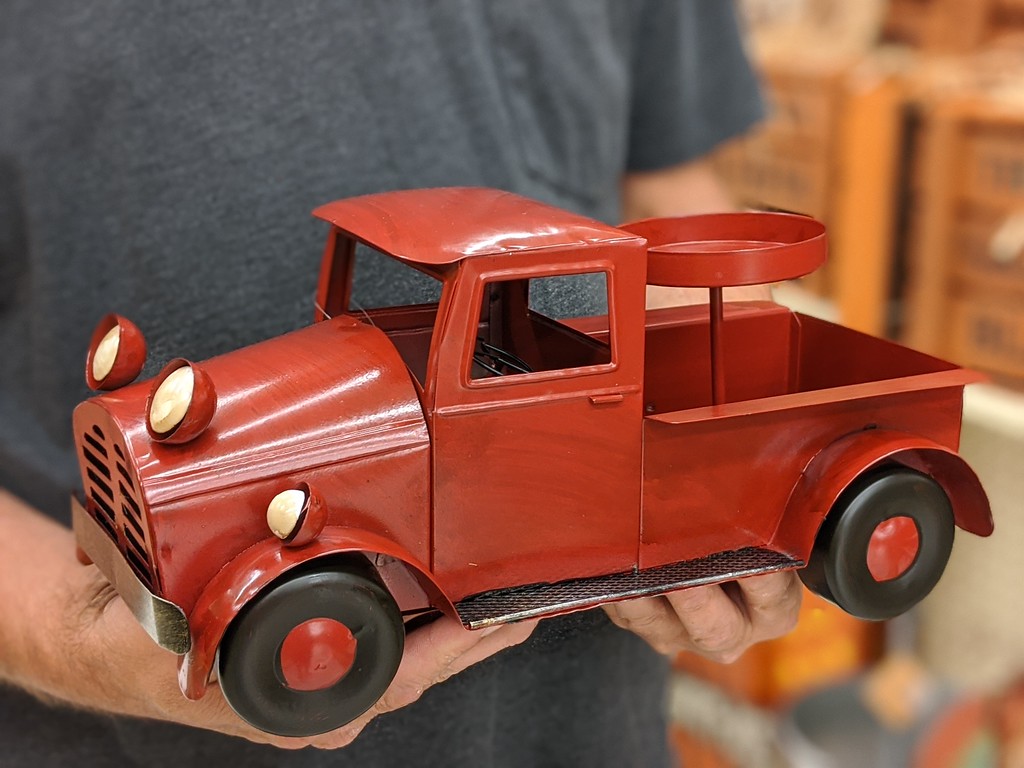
729	249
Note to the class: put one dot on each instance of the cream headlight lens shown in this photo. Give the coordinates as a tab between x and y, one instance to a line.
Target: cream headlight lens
105	354
171	400
181	403
284	512
297	516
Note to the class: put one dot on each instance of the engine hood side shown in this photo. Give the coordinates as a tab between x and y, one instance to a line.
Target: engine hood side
331	391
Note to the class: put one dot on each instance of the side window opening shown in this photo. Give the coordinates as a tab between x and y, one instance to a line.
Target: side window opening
400	300
523	325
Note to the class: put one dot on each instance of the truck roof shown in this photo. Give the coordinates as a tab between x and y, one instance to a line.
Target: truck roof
442	226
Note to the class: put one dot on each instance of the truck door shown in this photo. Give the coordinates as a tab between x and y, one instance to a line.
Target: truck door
537	430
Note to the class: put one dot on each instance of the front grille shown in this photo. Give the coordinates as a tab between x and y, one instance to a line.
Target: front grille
113	499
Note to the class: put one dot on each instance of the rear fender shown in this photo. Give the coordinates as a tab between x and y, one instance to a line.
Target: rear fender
248	574
834	468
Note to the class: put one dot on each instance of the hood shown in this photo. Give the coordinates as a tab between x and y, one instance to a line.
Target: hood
334	390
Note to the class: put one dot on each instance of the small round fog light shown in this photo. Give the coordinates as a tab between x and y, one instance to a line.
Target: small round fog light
296	516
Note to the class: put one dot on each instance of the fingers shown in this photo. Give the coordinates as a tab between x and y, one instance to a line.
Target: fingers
436	652
700	619
772	603
432	654
720	621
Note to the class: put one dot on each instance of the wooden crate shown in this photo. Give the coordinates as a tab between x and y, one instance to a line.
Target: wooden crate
907	21
952	26
830	149
787	162
762	172
989	335
966	289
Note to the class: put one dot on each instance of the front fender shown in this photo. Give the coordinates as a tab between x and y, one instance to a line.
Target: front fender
834	468
243	578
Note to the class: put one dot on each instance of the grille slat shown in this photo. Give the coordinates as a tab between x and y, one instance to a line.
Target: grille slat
107	493
115	503
140	565
96	444
127	478
135	542
99	464
106	516
132	515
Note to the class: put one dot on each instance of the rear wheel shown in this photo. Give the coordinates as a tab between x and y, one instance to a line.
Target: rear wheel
884	544
313	652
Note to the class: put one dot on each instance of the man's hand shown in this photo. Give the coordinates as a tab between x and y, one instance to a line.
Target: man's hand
719	621
67	636
433	653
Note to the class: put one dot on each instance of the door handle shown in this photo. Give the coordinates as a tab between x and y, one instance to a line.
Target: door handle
614	397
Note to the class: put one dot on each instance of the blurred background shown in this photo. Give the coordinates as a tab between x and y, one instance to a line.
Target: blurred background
900	123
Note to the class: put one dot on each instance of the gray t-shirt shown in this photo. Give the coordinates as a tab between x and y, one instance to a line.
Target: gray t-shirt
161	159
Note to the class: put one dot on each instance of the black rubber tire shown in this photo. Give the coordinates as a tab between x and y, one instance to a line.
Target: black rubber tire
249	669
838	570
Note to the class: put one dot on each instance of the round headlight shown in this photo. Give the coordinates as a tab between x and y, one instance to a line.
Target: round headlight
297	516
117	353
106	351
181	403
171	400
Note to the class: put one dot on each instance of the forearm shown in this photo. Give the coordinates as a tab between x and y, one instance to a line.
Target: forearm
65	635
33	576
48	601
680	190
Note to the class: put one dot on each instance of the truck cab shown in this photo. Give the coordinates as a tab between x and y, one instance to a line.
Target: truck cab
534	423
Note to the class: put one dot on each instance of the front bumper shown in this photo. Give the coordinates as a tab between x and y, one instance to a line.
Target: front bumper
164	621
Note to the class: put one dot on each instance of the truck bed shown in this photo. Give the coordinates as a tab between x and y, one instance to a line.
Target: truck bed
772	352
717	477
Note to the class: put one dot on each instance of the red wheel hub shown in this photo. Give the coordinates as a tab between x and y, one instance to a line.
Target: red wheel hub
317	654
893	548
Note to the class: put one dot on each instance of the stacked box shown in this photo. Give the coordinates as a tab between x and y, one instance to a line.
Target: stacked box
967	277
952	26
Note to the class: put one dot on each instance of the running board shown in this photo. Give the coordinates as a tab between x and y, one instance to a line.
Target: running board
517	603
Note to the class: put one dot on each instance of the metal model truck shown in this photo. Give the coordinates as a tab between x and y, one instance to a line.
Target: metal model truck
481	456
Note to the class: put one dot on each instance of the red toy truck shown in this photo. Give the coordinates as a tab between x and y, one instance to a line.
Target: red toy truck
282	510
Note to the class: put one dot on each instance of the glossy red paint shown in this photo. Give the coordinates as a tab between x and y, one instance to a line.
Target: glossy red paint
312	518
243	578
317	654
893	548
435	227
130	357
727	249
629	441
832	469
200	408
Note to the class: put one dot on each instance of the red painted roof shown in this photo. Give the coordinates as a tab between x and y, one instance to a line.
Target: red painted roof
442	226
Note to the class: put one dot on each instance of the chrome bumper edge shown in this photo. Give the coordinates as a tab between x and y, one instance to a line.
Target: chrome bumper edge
163	621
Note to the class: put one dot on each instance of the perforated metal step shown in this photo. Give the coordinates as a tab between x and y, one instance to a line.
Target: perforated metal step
517	603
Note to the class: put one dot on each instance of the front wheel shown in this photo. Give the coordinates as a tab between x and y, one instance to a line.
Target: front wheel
884	544
313	652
